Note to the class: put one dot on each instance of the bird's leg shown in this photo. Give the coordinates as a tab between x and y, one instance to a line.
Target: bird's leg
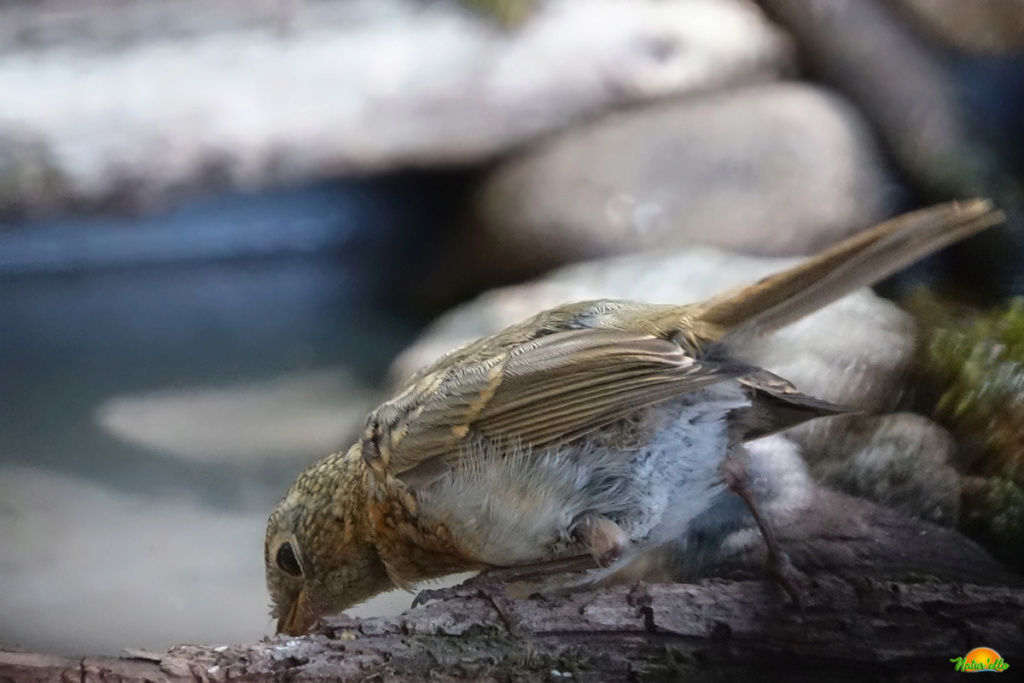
736	478
605	539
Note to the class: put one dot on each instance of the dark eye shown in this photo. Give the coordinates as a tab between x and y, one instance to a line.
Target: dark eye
287	561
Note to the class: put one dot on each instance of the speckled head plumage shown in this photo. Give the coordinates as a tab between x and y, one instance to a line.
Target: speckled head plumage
318	555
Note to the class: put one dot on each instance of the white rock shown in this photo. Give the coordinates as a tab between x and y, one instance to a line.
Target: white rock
778	169
902	461
298	416
361	85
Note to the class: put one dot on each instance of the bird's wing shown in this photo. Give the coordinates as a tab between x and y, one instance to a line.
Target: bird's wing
776	405
550	389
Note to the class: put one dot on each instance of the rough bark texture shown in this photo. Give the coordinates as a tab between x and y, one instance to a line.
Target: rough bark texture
853	629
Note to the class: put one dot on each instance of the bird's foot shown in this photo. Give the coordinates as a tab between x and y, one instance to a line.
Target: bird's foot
788	577
779	566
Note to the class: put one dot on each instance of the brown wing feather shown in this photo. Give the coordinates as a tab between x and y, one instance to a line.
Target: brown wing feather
574	368
553	388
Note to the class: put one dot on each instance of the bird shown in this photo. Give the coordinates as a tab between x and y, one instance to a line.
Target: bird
572	441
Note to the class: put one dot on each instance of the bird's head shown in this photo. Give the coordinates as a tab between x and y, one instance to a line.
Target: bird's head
319	551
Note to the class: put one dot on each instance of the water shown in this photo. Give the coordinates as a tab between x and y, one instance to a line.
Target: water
155	404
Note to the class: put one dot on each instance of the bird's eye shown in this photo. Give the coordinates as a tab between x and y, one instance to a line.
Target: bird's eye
287	561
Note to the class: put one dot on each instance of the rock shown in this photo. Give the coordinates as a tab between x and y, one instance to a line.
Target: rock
902	461
301	416
846	536
778	169
946	124
991	26
135	105
853	352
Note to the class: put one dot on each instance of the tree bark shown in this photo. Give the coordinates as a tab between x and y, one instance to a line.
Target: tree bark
847	630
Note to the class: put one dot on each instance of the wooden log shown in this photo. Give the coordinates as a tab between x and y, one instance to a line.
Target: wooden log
848	630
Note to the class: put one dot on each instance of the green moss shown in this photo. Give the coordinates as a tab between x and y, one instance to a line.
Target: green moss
509	13
976	361
973	362
994	516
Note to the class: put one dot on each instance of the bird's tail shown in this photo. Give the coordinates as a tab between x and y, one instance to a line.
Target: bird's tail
858	261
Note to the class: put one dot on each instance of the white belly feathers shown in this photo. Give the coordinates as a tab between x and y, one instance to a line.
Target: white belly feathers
651	474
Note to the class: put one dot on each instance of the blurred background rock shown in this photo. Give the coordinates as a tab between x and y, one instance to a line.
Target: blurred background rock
221	221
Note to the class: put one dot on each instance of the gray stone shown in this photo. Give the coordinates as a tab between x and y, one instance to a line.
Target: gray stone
140	103
838	534
902	461
993	26
779	169
300	417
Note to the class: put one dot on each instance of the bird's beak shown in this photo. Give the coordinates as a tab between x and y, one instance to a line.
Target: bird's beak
298	620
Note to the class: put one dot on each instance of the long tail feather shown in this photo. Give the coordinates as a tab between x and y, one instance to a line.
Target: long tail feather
861	260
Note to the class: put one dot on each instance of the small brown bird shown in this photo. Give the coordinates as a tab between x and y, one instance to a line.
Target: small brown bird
576	438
